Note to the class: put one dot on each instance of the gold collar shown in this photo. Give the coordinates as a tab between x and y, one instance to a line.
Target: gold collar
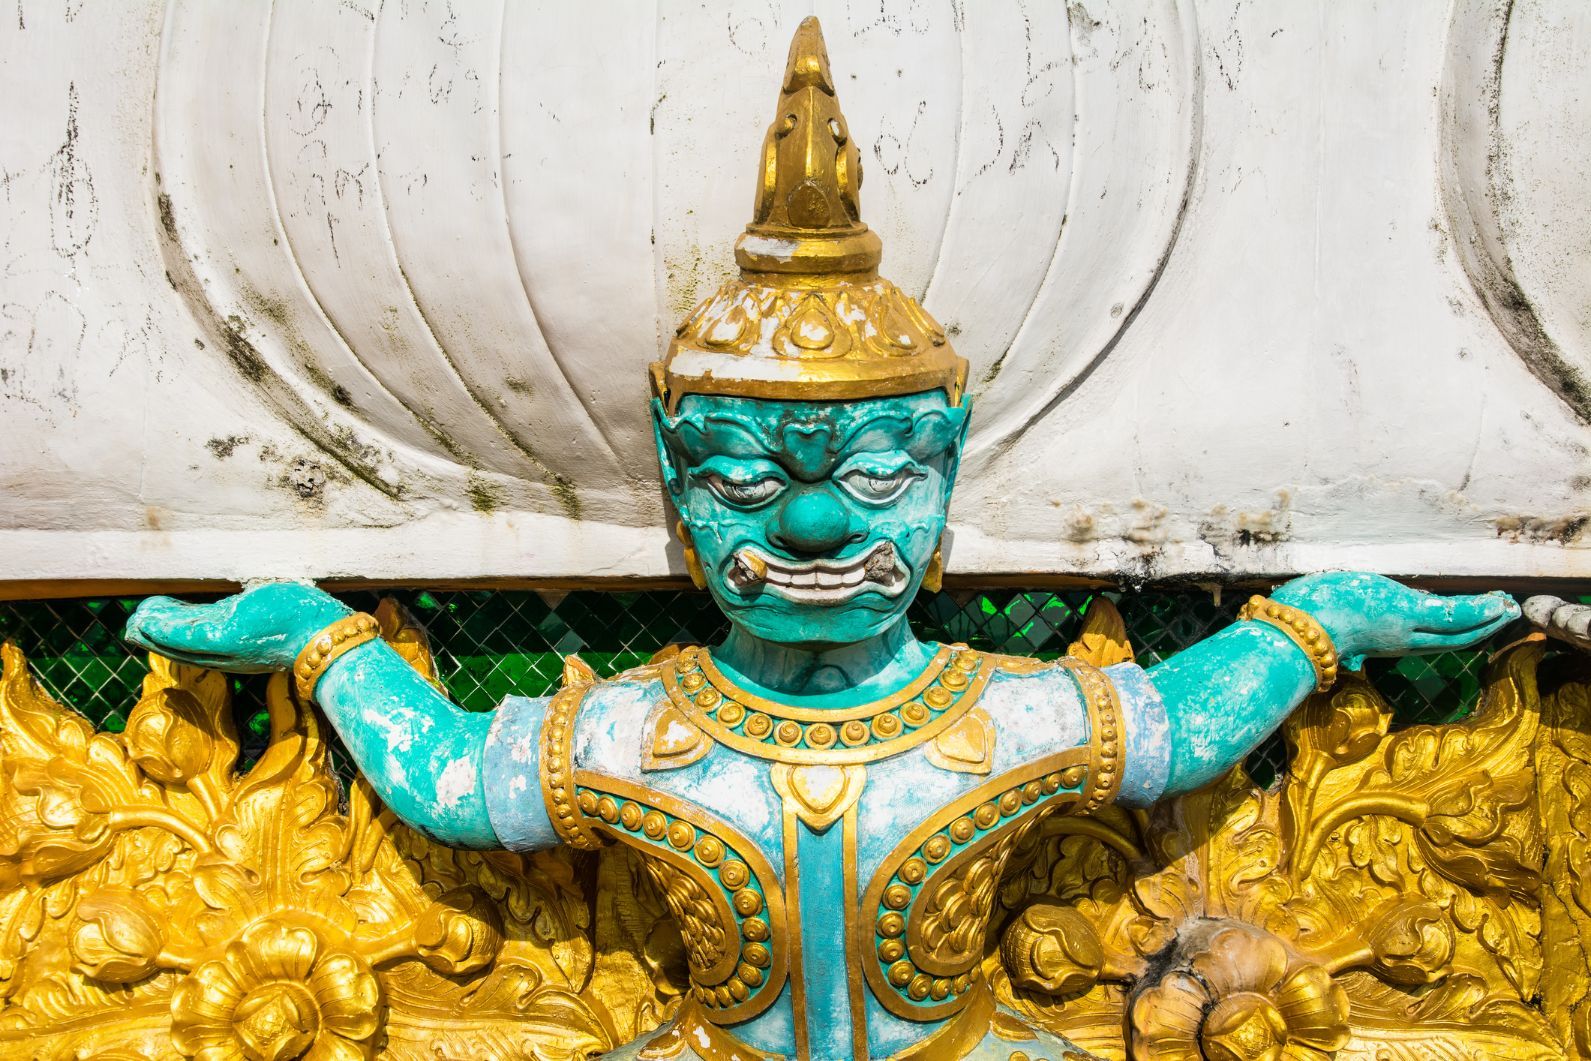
932	702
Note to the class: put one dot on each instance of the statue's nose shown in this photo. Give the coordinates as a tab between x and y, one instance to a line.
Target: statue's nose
811	522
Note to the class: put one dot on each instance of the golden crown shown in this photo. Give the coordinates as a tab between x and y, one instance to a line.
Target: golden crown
809	318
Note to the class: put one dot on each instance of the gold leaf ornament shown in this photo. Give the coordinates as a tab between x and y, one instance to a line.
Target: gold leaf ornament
156	903
1243	997
1103	640
278	991
117	938
459	933
1436	876
1052	948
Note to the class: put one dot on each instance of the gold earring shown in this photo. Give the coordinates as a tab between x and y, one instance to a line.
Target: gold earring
693	563
934	577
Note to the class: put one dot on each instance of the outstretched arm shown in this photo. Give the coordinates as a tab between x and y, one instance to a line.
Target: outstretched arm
423	755
1227	693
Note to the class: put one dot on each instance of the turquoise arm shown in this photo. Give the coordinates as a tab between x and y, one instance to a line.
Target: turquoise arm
424	756
1227	693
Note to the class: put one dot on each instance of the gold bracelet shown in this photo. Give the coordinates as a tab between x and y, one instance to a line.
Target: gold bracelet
344	635
1105	734
1305	631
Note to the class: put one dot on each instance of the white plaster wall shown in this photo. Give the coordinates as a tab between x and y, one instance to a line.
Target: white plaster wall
368	290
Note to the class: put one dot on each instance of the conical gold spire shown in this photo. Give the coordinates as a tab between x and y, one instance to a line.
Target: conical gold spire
808	217
809	318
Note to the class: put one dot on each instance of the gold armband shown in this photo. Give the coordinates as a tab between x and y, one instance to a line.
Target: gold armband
564	806
1105	734
344	635
1304	629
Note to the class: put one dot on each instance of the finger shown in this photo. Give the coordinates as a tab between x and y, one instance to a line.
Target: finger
1465	614
1426	641
186	632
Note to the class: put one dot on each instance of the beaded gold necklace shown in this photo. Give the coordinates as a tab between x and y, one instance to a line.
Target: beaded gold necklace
740	719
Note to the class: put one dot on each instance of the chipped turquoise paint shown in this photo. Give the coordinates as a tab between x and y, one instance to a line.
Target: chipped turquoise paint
511	775
814	524
1147	756
824	968
422	754
1225	694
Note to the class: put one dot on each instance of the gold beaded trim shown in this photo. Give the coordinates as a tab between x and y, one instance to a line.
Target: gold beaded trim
557	768
1304	630
344	635
697	658
720	888
1104	733
920	966
933	701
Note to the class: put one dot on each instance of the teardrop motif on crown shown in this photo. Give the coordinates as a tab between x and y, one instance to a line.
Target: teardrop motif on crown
807	323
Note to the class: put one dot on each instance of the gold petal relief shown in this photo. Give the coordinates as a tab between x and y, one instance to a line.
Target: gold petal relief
156	902
1400	893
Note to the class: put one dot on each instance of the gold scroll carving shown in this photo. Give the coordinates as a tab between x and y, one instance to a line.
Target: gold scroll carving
1400	895
155	903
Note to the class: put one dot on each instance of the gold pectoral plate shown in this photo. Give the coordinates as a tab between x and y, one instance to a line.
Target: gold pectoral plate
720	888
920	936
933	702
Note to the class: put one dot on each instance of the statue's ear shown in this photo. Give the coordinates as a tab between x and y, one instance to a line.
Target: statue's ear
964	410
661	432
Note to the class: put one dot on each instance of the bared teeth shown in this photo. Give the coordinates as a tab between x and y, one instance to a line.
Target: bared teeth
816	580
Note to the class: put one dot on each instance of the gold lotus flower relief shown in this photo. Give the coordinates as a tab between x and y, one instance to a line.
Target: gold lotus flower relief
1402	895
1242	997
156	903
277	992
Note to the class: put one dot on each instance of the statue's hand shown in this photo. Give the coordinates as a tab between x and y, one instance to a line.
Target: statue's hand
261	629
1368	615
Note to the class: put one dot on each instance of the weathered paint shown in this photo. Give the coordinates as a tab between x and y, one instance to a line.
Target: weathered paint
397	252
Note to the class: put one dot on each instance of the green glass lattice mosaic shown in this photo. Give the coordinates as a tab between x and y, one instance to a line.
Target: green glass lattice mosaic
492	643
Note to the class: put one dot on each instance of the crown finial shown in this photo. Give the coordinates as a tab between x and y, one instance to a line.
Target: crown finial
807	217
809	318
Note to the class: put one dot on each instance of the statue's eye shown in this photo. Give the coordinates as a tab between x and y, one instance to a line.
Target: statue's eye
746	495
878	487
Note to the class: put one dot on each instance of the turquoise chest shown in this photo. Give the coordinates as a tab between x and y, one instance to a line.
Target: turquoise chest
832	870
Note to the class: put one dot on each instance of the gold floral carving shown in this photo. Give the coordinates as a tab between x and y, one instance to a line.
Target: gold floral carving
1399	895
1402	894
155	902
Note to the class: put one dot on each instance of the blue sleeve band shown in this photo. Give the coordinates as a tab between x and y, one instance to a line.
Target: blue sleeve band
512	775
1148	748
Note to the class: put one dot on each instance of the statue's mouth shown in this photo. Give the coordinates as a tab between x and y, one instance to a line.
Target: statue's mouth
819	581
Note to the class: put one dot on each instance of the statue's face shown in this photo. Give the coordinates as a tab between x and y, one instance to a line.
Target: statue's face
813	521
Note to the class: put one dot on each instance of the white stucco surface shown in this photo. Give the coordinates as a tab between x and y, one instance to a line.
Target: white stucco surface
368	290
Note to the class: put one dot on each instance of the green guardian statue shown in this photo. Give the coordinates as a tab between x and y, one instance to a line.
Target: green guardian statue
825	803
